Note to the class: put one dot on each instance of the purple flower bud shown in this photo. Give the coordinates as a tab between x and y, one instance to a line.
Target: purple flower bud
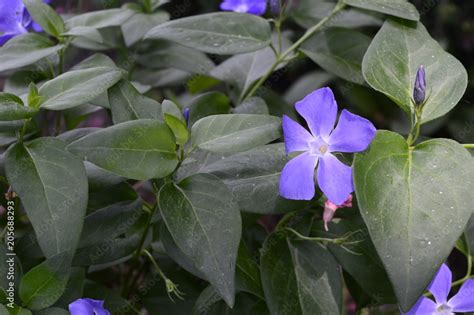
186	115
419	92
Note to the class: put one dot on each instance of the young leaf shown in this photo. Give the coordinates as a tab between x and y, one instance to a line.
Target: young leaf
178	127
78	87
415	203
393	58
222	33
43	285
25	50
126	103
52	185
45	16
12	108
205	223
300	277
339	51
235	133
398	8
139	149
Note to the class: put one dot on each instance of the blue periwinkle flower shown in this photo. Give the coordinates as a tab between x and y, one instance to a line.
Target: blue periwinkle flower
15	20
419	92
88	307
462	302
352	134
257	7
186	115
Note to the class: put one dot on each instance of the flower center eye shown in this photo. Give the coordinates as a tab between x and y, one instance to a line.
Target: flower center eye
444	310
323	148
318	147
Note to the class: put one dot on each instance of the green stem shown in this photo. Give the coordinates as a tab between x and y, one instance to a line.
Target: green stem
469	146
22	133
310	32
61	61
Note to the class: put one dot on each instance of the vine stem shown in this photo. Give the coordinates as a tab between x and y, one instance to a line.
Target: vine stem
281	58
469	145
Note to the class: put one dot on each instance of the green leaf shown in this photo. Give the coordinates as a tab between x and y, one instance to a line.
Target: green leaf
307	84
126	103
398	8
139	149
170	108
222	33
87	32
247	278
53	311
207	104
100	19
415	203
43	285
52	185
12	108
393	58
78	87
138	25
360	258
178	127
25	50
205	223
253	105
165	54
253	177
45	16
300	277
235	133
470	235
339	51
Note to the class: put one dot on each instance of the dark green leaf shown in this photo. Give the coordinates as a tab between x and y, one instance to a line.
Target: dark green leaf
405	48
222	33
45	16
126	103
339	51
253	177
138	149
87	32
235	133
43	285
52	185
300	277
100	19
398	8
247	277
25	50
211	103
253	105
415	203
78	87
205	224
12	108
138	25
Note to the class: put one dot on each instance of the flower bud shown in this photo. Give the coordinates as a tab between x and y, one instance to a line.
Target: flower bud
419	92
186	115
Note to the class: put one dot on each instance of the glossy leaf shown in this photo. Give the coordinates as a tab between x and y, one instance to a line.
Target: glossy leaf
126	103
52	185
235	133
253	177
138	149
300	277
339	51
222	33
205	223
78	87
139	24
405	48
207	104
179	128
25	50
12	108
415	203
43	285
45	16
398	8
100	19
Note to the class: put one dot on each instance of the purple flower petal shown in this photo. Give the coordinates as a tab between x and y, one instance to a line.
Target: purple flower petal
424	306
11	17
463	301
441	284
352	134
335	179
297	178
319	109
81	307
257	7
296	137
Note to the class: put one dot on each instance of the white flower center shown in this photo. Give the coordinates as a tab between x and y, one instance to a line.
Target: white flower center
242	8
318	147
444	310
